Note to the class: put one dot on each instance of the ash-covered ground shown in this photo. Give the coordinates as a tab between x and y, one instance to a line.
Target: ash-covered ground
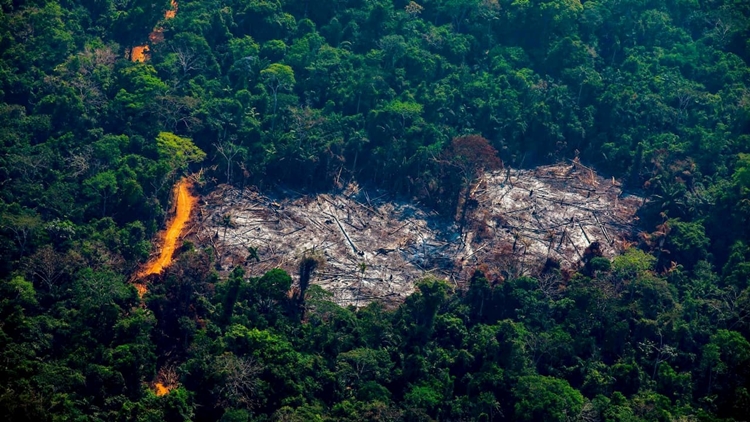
375	248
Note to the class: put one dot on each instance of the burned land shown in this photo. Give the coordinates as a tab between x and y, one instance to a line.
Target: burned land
371	247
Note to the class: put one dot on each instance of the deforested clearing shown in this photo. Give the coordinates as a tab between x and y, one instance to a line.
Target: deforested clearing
376	248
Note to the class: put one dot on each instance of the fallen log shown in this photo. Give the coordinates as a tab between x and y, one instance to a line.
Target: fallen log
346	235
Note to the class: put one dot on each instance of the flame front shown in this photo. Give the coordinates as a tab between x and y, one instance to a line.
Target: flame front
184	206
161	389
140	53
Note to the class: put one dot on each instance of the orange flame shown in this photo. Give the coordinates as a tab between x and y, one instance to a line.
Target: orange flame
141	287
184	206
169	14
161	389
140	52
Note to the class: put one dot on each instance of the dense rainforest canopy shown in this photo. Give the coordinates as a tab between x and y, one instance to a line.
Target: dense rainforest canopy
313	94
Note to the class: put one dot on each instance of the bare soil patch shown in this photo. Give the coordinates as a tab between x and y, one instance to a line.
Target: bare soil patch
376	248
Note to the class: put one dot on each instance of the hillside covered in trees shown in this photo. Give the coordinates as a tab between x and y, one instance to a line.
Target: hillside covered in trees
414	98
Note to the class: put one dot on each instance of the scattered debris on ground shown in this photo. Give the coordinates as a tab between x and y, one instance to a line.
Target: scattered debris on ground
523	218
376	249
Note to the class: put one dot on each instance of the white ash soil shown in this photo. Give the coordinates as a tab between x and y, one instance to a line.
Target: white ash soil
376	249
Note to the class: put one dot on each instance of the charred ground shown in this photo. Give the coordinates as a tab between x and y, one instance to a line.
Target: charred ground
374	248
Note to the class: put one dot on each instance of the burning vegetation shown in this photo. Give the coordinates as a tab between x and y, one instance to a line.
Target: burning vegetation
368	248
183	207
167	380
140	53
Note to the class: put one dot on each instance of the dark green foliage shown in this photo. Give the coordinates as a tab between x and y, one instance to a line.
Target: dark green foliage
543	398
415	97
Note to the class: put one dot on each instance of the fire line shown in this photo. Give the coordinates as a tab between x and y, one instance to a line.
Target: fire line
184	206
